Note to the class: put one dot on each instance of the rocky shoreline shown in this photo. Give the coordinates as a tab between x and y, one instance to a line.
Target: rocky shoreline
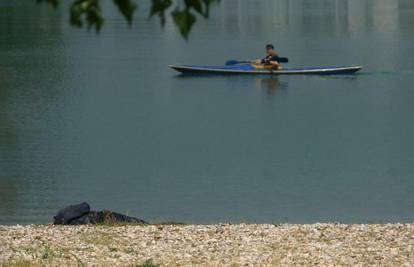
208	245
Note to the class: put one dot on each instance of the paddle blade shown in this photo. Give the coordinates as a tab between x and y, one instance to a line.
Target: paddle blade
283	60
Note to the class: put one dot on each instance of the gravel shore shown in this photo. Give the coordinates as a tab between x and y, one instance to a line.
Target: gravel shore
209	245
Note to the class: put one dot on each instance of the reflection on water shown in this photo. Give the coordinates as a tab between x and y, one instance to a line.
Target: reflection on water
273	85
101	118
270	83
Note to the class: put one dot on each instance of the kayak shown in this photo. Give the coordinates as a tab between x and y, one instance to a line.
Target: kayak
251	69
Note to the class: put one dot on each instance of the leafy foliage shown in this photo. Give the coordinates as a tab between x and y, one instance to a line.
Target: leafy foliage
88	8
184	20
159	7
127	9
184	13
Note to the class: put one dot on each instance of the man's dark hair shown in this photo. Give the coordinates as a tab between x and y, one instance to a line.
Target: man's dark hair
270	46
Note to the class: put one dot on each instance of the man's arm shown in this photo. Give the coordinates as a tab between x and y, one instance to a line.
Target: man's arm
274	63
274	60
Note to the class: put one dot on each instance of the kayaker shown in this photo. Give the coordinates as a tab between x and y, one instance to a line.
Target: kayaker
271	57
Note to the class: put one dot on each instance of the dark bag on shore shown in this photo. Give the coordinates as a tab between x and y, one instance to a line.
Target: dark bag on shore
69	213
82	214
106	216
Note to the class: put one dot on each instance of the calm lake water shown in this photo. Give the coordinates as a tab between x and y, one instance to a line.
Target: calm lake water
102	119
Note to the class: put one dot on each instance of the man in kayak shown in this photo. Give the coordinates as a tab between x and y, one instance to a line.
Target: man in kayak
271	59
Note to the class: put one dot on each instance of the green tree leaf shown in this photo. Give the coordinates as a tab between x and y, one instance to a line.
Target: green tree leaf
127	9
88	8
184	19
159	7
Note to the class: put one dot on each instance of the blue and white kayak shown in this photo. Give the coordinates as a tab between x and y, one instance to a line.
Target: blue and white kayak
248	68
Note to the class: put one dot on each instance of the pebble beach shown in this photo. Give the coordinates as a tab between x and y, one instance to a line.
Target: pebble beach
208	245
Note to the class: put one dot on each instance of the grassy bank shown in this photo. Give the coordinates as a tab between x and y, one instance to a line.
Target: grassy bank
208	245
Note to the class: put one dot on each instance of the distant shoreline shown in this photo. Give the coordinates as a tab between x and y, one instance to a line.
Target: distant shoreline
208	245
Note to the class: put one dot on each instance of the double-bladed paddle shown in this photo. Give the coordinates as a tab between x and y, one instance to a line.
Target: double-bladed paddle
235	62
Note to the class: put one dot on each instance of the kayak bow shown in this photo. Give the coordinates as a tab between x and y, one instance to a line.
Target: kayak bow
249	69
